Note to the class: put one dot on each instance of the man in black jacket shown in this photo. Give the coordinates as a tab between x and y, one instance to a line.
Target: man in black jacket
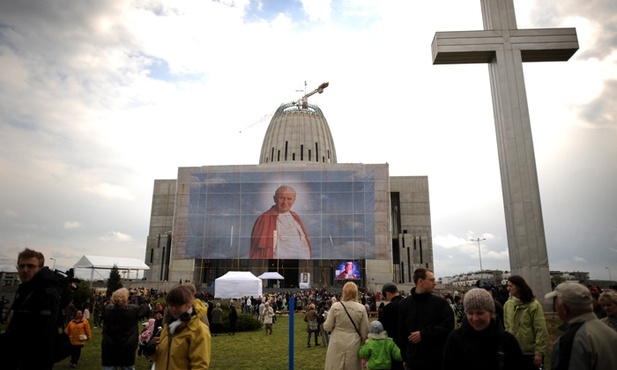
389	319
425	321
34	315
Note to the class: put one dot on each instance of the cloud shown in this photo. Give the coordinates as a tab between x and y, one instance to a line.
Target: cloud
72	224
110	191
117	236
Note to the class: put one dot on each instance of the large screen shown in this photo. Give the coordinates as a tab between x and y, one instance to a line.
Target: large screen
347	270
282	211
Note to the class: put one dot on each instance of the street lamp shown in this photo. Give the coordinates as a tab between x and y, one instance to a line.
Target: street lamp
53	259
479	253
609	274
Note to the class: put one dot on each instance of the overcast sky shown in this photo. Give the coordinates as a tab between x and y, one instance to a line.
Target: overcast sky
100	98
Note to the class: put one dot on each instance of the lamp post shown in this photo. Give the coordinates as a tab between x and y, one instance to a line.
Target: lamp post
54	266
609	273
479	253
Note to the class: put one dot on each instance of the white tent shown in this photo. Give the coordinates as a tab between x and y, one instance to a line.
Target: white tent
237	284
271	275
107	263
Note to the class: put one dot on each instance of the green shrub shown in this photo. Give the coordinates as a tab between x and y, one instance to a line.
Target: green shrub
245	322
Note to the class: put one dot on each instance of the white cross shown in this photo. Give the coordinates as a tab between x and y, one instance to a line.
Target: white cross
505	48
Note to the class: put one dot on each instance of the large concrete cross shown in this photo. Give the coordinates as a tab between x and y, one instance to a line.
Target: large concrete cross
505	48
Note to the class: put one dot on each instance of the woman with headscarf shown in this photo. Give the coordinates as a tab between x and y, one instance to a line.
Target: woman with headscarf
348	323
524	317
185	342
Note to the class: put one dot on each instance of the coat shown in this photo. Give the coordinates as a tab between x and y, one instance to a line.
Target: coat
187	348
34	321
120	334
76	328
468	349
344	340
432	316
593	346
267	315
526	321
380	351
310	315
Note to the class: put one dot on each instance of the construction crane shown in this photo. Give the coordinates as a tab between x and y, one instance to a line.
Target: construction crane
304	100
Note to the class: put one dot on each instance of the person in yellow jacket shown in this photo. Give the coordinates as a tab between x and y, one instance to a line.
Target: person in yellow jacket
79	332
185	342
523	316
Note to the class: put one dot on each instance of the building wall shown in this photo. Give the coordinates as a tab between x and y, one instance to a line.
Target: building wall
410	226
413	237
159	236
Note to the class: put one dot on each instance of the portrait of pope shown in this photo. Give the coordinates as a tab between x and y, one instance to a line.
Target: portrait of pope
279	232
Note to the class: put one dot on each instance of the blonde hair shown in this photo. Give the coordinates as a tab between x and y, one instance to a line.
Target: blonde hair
608	295
350	292
120	297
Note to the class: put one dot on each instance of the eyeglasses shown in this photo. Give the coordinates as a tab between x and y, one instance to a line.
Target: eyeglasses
29	266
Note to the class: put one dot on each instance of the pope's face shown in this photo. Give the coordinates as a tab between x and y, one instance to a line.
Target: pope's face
284	199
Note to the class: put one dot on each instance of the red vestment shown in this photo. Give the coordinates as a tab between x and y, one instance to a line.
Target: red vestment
262	236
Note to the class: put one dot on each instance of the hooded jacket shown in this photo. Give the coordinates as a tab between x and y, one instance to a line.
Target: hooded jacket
526	321
188	347
380	351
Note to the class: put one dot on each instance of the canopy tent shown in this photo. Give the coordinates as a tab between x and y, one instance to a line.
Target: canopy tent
271	275
107	263
237	284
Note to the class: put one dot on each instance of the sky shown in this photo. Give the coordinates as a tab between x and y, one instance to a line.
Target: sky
100	98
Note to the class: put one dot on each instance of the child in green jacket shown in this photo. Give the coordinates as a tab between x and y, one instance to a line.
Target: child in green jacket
379	350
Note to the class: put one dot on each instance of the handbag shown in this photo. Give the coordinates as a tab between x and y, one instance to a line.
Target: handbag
83	337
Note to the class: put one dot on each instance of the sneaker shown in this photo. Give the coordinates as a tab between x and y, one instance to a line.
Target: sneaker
73	365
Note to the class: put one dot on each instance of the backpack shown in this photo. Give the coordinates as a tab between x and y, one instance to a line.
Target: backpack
313	325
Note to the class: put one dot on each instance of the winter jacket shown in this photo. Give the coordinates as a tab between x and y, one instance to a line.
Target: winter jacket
120	333
344	340
310	315
380	351
34	322
187	348
76	328
526	321
468	349
433	317
593	348
267	315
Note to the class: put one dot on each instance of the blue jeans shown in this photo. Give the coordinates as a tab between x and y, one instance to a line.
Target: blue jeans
308	338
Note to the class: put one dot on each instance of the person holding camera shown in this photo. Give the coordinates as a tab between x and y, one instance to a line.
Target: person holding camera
28	343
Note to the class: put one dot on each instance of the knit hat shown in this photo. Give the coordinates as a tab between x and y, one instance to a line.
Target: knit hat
375	327
478	299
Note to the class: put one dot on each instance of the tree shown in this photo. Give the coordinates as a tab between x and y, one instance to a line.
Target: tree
113	283
82	293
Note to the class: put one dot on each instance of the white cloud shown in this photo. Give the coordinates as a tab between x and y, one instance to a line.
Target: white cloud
72	224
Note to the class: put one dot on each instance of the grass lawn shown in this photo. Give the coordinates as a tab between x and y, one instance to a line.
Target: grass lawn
255	350
247	350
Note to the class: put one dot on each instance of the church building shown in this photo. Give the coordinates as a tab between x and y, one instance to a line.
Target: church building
299	212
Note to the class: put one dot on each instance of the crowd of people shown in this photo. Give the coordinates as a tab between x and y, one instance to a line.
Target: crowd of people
478	329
